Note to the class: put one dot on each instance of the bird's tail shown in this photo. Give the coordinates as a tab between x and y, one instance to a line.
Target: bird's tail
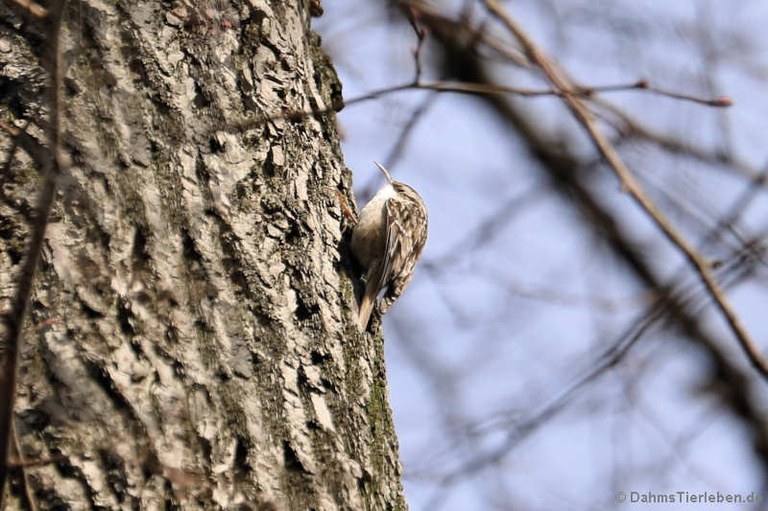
366	305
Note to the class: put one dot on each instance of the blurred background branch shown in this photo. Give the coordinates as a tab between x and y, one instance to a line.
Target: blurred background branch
509	373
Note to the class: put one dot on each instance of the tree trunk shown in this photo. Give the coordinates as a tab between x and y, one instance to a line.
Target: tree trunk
191	341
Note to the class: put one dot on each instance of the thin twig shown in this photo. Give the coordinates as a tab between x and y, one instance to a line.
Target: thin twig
580	91
37	151
463	30
476	88
15	318
630	127
562	83
35	9
418	114
720	101
517	431
421	35
22	467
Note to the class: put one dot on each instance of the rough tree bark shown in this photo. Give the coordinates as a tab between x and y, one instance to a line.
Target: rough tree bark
191	341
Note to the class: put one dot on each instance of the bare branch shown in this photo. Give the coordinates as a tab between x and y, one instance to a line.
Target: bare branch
561	82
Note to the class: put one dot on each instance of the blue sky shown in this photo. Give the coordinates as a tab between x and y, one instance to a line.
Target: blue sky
504	315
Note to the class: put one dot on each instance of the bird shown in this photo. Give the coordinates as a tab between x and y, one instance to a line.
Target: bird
387	241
